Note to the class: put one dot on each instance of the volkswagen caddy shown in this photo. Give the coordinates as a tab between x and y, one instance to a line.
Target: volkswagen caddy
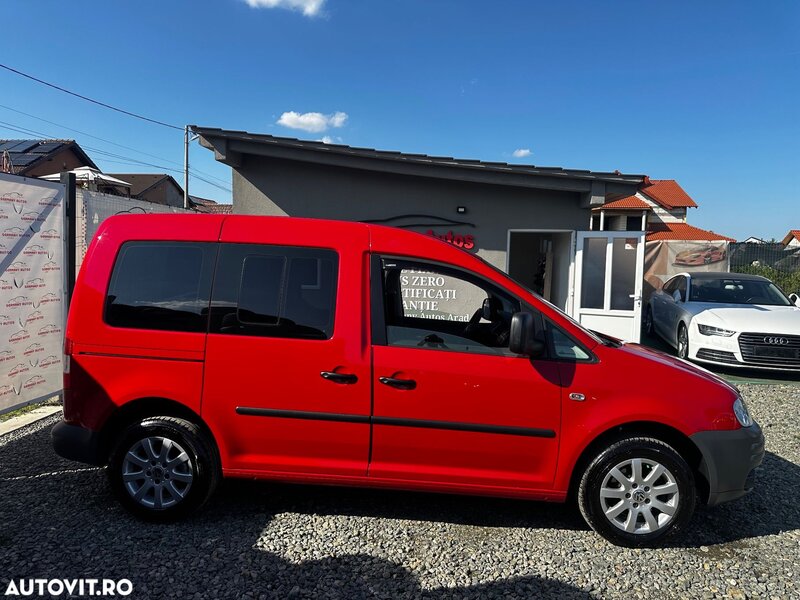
300	350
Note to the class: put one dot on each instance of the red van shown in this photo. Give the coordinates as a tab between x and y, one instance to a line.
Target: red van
351	354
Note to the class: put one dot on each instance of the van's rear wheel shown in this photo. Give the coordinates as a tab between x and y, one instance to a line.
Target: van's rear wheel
163	468
637	492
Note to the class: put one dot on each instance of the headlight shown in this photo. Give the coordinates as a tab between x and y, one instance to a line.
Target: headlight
710	330
742	415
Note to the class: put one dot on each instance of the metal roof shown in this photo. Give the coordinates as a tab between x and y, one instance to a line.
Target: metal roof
243	142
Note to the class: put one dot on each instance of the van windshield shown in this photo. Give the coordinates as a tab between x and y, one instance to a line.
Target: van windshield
599	338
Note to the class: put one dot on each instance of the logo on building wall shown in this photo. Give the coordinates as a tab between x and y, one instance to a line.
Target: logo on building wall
459	240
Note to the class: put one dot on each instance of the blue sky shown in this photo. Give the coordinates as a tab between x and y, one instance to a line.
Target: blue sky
707	93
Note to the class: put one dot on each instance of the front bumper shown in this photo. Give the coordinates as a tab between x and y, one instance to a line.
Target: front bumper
74	442
729	461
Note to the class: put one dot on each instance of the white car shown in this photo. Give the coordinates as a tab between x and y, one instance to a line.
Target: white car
727	319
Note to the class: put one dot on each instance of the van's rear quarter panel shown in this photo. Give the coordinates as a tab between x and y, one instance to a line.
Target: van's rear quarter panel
104	383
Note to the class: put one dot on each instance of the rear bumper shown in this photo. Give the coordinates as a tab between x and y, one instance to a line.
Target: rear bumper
729	461
77	443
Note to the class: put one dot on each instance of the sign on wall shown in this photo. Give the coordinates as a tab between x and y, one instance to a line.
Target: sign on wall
665	259
31	289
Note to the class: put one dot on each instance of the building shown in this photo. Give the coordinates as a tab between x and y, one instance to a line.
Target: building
158	188
206	205
659	208
530	221
34	158
754	240
792	239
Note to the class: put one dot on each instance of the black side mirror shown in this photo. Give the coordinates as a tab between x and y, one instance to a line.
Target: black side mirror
522	338
795	299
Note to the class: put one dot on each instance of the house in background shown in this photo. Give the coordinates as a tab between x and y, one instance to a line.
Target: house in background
158	188
754	240
792	239
34	158
206	205
659	208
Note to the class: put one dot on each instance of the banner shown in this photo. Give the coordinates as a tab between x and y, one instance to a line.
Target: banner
32	283
665	259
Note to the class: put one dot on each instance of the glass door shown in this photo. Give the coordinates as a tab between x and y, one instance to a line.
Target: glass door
609	269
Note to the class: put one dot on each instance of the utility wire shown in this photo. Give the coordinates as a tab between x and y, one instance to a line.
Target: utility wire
126	159
108	141
93	101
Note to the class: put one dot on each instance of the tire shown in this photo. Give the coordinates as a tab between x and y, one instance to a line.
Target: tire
183	470
648	321
637	521
683	342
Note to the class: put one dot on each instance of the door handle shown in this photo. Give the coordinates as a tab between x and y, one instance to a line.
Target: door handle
400	384
338	377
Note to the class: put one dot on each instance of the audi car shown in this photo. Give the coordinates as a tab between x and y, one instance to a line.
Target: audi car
728	319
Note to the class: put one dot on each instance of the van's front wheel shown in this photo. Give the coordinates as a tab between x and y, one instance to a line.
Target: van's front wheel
637	492
163	468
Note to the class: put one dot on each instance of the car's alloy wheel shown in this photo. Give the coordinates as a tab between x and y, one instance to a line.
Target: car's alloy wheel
164	467
637	491
157	472
683	341
639	496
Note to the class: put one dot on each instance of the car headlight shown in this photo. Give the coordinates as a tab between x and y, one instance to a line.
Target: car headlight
711	330
741	412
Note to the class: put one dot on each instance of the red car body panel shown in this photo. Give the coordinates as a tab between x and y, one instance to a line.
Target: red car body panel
371	434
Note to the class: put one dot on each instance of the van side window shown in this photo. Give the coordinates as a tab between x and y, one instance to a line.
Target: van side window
161	285
274	291
435	307
563	346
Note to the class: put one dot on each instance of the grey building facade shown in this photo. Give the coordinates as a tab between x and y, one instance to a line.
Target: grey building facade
520	218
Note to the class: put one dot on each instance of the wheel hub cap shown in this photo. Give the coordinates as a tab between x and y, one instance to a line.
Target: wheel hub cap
157	472
639	496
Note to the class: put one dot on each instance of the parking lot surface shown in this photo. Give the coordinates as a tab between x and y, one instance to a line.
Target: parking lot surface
265	540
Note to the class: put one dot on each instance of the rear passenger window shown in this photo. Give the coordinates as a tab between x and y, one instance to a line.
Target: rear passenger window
161	285
274	291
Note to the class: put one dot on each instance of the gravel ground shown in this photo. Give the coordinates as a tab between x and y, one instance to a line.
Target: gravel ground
264	540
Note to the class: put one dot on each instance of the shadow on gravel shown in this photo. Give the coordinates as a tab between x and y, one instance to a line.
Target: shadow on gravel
61	521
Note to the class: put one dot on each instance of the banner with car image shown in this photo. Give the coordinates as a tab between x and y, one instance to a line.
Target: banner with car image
666	258
31	290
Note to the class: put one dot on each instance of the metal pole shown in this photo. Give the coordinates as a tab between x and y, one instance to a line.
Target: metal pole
186	167
70	199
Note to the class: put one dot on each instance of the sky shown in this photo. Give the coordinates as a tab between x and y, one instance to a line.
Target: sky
707	93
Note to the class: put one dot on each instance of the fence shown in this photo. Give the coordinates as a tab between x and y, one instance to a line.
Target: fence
92	208
779	263
32	290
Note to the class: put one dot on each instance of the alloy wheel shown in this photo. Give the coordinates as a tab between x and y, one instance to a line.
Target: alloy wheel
157	472
639	496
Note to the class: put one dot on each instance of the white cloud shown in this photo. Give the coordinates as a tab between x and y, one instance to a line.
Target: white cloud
328	139
521	153
309	8
313	122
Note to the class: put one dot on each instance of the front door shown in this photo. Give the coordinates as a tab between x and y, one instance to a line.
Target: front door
609	270
287	373
451	403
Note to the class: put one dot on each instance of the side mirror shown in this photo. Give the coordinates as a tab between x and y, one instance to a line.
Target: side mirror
522	338
676	295
795	299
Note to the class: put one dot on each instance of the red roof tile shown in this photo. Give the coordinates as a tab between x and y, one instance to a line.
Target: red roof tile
627	203
668	194
216	209
794	233
682	231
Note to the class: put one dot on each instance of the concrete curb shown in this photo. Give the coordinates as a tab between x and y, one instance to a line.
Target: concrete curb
30	417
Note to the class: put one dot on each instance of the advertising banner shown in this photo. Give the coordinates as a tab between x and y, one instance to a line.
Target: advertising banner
31	290
665	259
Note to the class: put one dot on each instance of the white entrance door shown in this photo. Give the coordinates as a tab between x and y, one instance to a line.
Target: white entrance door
609	269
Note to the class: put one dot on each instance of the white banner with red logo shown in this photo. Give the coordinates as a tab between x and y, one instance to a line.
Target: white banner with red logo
31	289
